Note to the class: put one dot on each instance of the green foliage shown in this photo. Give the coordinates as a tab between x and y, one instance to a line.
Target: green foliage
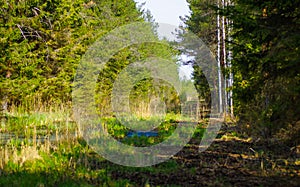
69	165
201	84
202	23
42	42
144	89
114	127
266	57
71	162
265	51
23	124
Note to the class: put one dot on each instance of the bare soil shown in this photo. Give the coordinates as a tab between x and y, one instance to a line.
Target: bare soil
227	162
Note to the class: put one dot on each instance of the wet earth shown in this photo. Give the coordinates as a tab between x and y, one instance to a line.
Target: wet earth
227	162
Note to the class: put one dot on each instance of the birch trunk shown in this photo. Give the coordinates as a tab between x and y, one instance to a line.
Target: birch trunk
219	60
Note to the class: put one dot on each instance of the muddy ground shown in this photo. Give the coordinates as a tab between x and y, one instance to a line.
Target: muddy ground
228	161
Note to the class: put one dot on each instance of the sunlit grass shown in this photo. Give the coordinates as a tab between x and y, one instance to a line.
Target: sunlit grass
45	148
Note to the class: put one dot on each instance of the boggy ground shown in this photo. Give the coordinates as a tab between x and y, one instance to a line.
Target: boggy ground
229	161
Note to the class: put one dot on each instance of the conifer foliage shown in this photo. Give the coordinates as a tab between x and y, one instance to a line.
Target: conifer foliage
42	42
263	39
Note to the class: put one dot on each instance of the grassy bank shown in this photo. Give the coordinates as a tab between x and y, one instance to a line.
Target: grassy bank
45	148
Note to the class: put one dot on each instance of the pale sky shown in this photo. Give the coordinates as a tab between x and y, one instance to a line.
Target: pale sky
167	11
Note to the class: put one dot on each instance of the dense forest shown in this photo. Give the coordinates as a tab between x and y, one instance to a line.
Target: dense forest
44	43
261	41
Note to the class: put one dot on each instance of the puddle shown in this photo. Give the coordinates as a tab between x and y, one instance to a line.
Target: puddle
142	133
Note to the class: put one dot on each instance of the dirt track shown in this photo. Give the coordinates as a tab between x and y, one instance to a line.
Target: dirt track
225	163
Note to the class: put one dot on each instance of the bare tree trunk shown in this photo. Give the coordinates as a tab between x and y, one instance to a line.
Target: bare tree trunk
224	54
230	81
219	60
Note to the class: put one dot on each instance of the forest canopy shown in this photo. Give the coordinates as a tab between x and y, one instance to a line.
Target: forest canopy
42	43
262	40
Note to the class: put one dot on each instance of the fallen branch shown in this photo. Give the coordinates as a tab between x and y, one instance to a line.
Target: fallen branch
20	28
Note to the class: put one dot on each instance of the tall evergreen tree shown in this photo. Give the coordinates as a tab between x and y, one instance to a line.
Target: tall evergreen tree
42	42
265	60
265	57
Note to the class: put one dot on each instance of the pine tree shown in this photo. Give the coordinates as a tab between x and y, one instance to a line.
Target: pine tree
42	43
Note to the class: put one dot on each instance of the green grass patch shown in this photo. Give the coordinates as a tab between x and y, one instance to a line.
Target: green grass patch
70	162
